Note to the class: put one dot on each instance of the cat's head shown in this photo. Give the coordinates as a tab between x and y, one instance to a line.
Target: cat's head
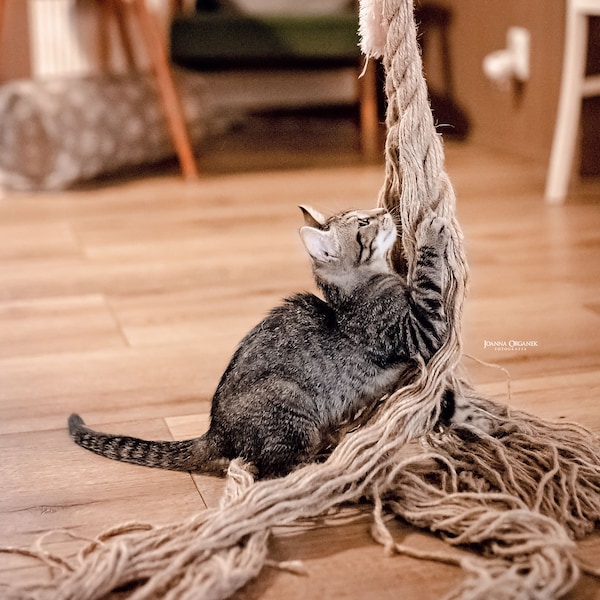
350	246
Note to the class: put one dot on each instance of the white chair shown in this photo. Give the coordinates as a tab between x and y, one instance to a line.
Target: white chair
574	87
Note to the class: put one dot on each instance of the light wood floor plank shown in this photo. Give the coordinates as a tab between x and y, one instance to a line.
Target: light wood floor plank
48	484
37	240
571	397
565	331
39	392
210	487
58	325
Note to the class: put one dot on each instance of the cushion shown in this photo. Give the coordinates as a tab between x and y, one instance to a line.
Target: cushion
60	131
217	40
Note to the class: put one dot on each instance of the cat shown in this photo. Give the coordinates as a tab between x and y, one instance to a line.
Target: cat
313	363
466	413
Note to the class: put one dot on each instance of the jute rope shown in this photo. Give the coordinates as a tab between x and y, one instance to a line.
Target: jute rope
519	497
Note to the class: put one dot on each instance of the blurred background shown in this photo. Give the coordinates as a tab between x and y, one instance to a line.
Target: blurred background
56	56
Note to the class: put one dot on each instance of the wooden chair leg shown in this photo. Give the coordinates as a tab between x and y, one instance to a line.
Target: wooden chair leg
105	8
120	17
369	119
176	7
2	11
172	107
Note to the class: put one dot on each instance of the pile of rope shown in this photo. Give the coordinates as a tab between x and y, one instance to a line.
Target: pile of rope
518	497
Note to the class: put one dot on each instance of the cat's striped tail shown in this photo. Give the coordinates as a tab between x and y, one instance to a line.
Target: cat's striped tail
198	454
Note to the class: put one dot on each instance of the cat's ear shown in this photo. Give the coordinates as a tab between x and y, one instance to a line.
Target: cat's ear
321	245
312	217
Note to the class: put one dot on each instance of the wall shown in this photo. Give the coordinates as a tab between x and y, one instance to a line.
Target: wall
518	120
45	38
515	120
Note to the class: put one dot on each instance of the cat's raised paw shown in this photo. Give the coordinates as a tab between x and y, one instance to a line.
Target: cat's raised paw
434	230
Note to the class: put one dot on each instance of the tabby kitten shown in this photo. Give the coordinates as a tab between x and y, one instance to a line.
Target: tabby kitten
312	364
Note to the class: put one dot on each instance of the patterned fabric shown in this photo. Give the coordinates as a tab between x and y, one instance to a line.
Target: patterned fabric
57	132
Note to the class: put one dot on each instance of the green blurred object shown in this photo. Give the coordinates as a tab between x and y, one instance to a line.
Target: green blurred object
218	40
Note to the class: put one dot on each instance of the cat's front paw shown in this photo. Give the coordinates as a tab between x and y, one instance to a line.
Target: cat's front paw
434	231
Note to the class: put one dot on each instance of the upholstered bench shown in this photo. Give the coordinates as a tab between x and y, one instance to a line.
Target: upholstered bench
216	41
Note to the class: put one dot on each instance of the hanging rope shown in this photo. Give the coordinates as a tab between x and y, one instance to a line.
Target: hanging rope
519	496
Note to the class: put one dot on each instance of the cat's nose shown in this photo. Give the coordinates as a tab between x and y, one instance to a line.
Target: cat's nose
376	212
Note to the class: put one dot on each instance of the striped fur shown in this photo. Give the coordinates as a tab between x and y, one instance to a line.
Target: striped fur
313	363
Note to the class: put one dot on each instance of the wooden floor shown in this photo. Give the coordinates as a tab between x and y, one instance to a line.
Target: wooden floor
124	302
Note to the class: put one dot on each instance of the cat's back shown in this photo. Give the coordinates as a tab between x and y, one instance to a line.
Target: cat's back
300	320
301	312
292	336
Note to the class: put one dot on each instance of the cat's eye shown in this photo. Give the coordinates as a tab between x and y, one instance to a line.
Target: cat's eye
363	222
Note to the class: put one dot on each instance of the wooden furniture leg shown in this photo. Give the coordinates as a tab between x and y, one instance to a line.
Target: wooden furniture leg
2	11
124	34
369	119
105	9
1	17
176	7
171	103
